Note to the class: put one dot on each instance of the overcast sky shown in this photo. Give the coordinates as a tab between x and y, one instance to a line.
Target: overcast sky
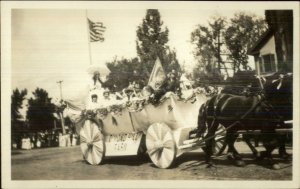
52	45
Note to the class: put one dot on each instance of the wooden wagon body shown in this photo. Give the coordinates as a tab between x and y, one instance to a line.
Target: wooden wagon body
125	129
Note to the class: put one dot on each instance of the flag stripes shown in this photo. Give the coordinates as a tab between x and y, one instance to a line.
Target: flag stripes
96	31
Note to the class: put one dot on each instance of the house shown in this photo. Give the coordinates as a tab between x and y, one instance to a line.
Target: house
274	50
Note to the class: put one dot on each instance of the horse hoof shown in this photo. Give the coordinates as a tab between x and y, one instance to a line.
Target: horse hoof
285	156
257	155
275	166
209	165
230	157
260	156
240	163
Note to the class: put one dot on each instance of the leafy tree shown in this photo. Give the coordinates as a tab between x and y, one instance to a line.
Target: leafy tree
151	43
122	72
40	110
207	42
17	99
244	30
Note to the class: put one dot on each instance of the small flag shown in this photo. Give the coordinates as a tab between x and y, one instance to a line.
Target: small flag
96	31
157	75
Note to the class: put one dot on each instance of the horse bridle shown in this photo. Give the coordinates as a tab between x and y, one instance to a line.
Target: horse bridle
280	79
262	80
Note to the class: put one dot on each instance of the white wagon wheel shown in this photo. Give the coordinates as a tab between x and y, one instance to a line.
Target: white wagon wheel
92	143
219	144
160	145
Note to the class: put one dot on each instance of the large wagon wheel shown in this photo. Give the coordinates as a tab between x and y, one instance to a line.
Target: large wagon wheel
92	143
219	144
160	145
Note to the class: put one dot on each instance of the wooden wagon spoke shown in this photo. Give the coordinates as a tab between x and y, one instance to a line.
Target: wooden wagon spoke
165	159
92	131
83	139
169	144
168	153
93	156
166	138
83	135
152	134
97	137
159	132
98	146
84	149
153	151
87	133
150	143
151	137
98	152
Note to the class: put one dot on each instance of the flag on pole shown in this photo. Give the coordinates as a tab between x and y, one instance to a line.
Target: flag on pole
96	31
157	76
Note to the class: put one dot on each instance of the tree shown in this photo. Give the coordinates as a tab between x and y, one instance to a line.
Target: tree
244	30
152	44
40	111
122	72
208	49
17	99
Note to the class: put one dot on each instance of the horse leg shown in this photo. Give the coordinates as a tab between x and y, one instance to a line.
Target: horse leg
232	153
282	150
247	139
209	143
270	143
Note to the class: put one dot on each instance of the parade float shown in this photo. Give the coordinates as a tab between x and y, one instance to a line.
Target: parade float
131	127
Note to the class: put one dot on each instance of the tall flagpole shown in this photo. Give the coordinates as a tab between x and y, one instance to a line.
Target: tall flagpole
88	36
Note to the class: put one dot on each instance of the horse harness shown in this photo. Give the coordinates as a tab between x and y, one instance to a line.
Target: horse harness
239	120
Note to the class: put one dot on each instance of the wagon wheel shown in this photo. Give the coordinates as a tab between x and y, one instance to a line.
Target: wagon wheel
219	144
91	143
160	145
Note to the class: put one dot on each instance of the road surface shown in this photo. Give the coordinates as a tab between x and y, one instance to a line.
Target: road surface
67	164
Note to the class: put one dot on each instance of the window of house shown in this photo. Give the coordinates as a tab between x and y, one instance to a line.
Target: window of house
269	63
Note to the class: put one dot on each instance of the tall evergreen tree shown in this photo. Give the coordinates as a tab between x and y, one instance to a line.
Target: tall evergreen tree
152	41
17	124
40	111
17	99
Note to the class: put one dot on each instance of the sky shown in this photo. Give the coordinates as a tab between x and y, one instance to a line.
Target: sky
49	45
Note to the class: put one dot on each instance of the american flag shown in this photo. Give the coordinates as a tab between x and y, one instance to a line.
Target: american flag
96	31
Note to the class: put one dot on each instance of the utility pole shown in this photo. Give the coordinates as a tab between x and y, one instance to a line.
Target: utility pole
61	113
60	83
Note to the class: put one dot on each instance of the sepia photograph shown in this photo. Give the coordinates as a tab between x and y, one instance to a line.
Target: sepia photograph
150	94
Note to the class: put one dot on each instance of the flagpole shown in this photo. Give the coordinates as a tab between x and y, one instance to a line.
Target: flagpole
88	36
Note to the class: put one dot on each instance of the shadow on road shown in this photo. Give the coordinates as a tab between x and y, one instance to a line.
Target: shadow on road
127	160
193	160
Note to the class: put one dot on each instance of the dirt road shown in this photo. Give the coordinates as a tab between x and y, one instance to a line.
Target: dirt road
67	164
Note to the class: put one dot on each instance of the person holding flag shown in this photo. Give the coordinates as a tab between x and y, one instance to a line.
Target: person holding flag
162	83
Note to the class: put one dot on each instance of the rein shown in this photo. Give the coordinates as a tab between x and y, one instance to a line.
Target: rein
233	124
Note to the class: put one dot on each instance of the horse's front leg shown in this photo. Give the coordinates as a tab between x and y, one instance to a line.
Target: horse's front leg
232	153
247	139
270	143
282	150
209	143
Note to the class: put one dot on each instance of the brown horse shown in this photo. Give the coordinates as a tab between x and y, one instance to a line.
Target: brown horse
265	112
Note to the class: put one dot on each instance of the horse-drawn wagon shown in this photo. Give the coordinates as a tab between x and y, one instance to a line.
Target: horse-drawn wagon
138	126
164	130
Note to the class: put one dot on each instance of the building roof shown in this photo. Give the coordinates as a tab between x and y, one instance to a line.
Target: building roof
260	43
